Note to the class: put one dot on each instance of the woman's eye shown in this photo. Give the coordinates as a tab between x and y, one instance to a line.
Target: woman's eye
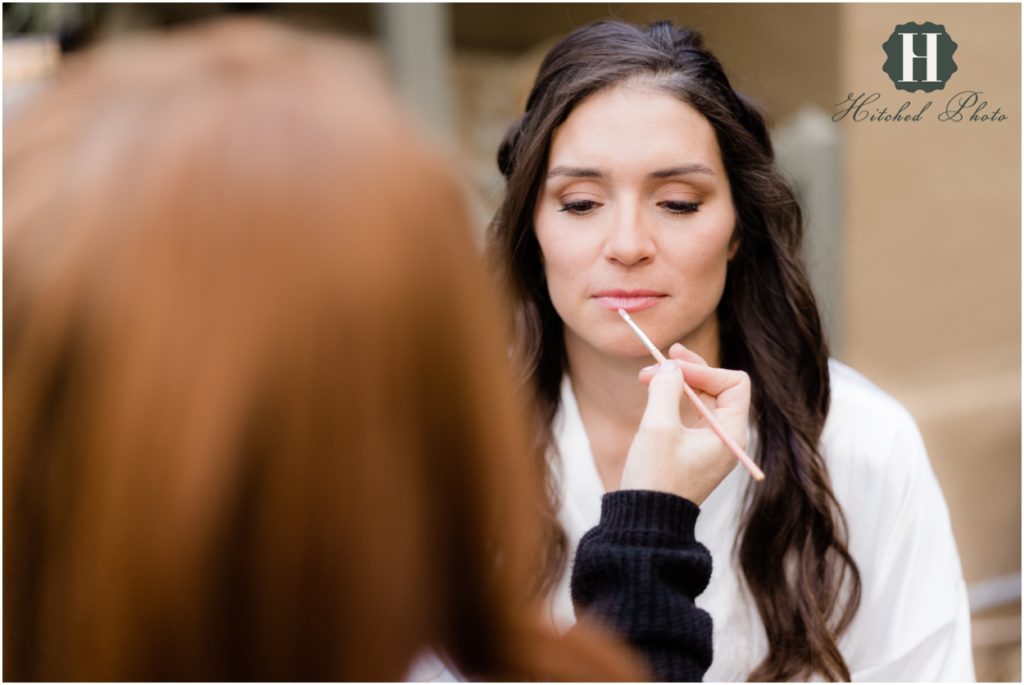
679	206
579	206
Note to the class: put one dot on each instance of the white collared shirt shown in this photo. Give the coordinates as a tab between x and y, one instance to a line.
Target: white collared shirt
913	622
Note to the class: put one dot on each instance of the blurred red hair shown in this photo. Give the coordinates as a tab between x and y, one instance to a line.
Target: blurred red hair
258	419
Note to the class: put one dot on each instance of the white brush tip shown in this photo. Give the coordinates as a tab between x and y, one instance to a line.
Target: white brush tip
623	314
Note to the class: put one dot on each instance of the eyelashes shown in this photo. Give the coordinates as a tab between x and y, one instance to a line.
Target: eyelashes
674	207
680	206
579	207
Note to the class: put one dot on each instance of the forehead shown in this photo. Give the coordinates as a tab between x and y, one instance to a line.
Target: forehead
634	127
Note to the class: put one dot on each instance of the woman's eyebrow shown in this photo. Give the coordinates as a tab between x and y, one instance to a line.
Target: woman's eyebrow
669	172
575	172
683	170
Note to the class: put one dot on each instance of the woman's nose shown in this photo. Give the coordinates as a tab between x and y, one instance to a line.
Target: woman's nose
630	240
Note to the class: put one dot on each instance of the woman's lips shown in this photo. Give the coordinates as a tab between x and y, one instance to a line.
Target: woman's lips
630	300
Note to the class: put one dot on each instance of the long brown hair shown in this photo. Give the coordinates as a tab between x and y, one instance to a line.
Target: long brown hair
793	543
258	422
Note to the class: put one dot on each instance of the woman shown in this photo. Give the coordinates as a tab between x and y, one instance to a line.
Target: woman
258	420
638	178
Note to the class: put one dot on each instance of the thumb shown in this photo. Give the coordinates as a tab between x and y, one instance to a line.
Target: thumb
663	396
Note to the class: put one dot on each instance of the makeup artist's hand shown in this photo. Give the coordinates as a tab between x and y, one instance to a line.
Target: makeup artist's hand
674	451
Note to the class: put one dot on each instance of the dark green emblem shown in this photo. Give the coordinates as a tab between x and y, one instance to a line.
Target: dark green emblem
919	57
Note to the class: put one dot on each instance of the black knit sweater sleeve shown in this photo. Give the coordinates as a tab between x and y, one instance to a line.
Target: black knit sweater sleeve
637	573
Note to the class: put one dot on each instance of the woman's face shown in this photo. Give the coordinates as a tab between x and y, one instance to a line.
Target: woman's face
635	212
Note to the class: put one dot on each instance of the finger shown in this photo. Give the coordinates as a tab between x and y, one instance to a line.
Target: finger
663	395
711	380
647	373
731	388
683	353
689	415
677	351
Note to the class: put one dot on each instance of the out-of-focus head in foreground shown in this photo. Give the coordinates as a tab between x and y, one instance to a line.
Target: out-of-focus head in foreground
257	418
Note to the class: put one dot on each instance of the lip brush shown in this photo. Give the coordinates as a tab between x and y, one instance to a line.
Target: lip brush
712	422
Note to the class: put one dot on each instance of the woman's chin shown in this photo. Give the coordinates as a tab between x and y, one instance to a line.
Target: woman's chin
625	347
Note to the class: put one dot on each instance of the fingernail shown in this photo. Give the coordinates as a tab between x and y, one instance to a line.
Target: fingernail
679	345
669	366
652	368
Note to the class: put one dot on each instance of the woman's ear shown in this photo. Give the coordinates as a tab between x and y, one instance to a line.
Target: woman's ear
734	247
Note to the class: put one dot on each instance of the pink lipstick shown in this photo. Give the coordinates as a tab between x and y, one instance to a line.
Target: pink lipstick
629	300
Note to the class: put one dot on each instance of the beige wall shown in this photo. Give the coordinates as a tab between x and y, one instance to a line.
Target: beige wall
761	45
931	264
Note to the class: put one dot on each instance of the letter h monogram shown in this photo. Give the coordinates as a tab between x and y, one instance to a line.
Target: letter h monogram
930	57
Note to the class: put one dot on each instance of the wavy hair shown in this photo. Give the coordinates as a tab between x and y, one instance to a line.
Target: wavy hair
792	545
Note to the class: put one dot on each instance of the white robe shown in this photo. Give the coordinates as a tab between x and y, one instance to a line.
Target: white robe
913	622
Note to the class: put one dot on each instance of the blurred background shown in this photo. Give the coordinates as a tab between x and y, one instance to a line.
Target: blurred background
914	229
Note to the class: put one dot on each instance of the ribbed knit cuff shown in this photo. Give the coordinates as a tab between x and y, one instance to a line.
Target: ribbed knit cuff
649	510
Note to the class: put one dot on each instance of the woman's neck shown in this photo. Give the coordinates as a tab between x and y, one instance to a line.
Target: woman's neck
607	386
611	398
